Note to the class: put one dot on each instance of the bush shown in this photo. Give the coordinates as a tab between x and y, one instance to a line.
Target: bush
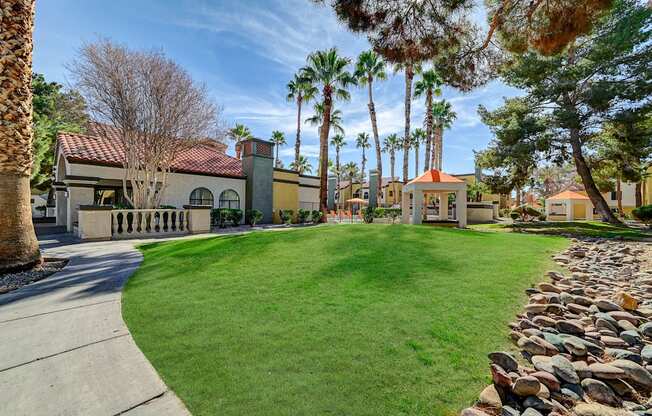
505	212
167	207
393	213
221	216
254	216
526	212
542	217
302	215
643	214
379	212
368	215
514	215
315	216
286	215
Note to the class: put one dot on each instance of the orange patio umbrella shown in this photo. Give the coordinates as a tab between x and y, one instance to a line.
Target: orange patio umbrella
357	201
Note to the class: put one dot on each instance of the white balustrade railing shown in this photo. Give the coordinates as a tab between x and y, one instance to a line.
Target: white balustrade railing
130	223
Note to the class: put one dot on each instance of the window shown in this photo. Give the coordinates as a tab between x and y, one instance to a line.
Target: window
614	195
229	199
391	194
201	196
366	195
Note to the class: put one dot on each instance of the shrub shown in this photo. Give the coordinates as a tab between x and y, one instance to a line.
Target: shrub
368	215
302	215
315	216
643	214
235	216
379	212
286	215
514	215
542	217
167	207
253	216
393	213
505	212
526	212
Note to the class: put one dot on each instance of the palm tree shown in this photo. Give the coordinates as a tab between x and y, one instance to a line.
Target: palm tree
302	165
239	133
391	144
18	245
443	117
338	142
410	69
300	90
362	142
327	70
368	68
428	85
278	138
351	170
418	136
318	117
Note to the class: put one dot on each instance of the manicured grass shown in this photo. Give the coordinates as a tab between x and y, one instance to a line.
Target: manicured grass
336	320
575	228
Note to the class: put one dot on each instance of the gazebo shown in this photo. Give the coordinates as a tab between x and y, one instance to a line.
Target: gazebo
569	206
437	184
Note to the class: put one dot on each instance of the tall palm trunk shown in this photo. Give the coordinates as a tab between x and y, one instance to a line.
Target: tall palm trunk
337	177
429	142
18	244
374	128
409	75
297	142
323	153
587	180
440	148
392	162
435	161
416	159
638	194
364	166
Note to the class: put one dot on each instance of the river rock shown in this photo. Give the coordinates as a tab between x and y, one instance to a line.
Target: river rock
626	301
564	369
572	327
596	409
505	360
646	329
548	379
600	392
606	305
631	337
606	371
635	372
490	397
526	386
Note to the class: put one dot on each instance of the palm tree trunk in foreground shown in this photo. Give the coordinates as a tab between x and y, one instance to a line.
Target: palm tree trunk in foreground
374	128
297	142
18	244
323	157
587	180
409	74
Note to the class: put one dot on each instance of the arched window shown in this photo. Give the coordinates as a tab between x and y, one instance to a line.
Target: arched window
229	199
201	196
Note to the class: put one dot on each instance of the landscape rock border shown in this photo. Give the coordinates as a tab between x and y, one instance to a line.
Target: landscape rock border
585	338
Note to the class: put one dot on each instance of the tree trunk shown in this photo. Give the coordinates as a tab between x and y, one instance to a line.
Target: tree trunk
619	197
297	142
323	155
338	176
392	163
416	160
435	151
18	244
409	74
638	194
587	180
440	148
426	162
364	165
518	197
374	128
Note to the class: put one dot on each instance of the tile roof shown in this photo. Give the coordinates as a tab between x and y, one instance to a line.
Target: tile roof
436	176
206	158
568	195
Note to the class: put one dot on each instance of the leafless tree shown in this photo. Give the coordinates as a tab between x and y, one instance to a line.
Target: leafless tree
156	107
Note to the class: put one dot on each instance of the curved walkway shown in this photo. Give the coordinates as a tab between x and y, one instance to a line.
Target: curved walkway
65	349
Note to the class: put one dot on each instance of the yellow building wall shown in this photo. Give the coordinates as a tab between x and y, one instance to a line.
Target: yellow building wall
286	193
470	180
346	193
647	188
393	198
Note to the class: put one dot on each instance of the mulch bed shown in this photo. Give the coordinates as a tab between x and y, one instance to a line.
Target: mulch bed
15	280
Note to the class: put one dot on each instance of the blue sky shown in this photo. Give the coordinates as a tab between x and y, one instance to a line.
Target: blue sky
245	52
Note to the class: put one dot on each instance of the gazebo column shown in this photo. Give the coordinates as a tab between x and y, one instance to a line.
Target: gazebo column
405	207
589	210
569	209
417	203
443	206
460	207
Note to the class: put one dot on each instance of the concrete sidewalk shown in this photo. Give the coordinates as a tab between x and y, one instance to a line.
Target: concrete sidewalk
65	349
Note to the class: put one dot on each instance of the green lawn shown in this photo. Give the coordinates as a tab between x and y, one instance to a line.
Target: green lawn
332	320
575	228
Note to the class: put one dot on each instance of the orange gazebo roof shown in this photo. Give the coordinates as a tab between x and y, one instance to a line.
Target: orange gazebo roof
435	176
568	195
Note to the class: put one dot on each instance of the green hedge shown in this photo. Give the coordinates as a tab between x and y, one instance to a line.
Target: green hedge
222	217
